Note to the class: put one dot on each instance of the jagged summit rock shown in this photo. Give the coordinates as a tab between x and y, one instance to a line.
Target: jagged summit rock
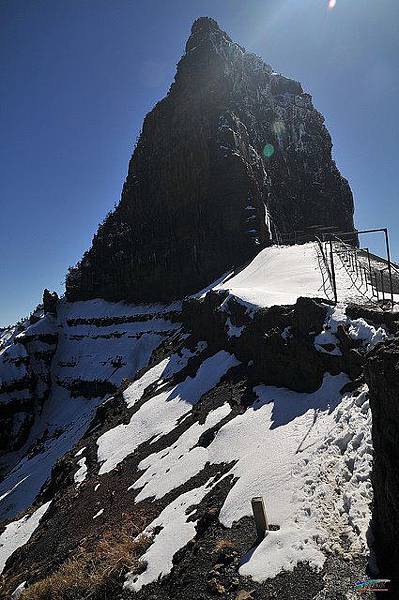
233	156
204	25
204	28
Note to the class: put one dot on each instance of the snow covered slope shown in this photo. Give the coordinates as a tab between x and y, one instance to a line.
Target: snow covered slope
290	448
95	345
199	425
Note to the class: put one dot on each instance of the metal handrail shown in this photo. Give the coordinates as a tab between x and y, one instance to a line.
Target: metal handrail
327	268
360	271
369	277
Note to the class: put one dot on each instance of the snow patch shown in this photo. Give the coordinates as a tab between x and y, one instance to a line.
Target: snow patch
286	334
81	473
163	370
167	469
233	330
160	414
176	532
358	329
17	593
282	550
18	533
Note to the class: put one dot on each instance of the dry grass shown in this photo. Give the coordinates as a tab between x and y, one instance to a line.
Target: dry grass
244	595
222	544
93	569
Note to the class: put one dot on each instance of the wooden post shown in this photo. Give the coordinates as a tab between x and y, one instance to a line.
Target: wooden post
259	511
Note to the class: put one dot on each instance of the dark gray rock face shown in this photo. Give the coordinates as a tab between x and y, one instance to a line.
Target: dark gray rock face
382	377
277	342
25	381
50	300
234	155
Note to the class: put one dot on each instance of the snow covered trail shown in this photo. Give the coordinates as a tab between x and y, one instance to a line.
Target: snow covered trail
329	494
281	274
278	275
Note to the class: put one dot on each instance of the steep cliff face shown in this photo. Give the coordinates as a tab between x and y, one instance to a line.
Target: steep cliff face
382	377
26	352
234	155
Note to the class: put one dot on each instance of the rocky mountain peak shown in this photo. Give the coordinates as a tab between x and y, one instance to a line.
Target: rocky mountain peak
205	30
204	25
231	159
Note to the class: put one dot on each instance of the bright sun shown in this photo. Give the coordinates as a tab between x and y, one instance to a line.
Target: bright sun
332	3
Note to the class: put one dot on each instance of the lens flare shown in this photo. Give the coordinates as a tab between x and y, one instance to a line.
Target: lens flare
331	4
278	127
268	151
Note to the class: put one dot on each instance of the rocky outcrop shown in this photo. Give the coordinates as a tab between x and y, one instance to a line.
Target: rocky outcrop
382	377
50	300
234	156
25	380
278	342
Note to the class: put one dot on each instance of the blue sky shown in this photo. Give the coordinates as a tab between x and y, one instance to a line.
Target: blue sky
78	77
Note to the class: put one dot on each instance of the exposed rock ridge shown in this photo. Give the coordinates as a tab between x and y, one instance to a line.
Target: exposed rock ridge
382	378
25	378
232	156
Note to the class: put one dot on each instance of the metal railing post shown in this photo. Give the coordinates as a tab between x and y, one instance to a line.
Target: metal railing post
376	286
389	262
368	258
356	263
334	282
365	278
382	285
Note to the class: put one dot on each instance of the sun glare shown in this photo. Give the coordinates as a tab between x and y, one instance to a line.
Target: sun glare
331	4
